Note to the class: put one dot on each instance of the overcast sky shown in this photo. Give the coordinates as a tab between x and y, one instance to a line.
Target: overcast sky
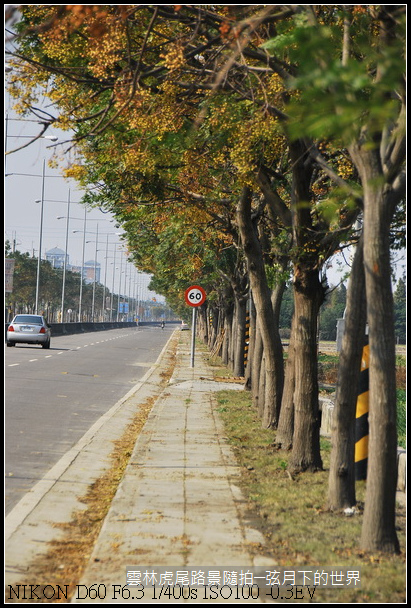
22	215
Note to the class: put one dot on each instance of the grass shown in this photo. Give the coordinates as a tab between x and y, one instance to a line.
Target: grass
402	417
291	512
327	374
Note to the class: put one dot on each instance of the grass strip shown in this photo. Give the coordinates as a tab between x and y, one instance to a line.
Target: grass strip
292	514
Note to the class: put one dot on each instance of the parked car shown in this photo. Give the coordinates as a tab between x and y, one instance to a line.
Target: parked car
29	329
184	326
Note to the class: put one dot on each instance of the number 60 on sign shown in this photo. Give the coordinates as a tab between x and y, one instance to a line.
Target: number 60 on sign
195	295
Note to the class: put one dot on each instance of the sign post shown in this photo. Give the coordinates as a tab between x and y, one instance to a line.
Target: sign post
194	296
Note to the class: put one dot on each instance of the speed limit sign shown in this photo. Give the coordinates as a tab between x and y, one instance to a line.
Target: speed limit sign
195	295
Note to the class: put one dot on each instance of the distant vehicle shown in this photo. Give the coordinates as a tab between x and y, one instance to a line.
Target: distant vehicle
28	329
184	326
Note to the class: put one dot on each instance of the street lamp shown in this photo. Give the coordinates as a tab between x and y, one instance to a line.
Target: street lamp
107	257
119	289
40	237
94	277
53	138
95	262
105	279
65	258
82	265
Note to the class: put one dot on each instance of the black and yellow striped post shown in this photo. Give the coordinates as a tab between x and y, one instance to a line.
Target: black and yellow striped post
361	419
247	338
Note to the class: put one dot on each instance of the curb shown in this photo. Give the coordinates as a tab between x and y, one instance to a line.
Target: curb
34	520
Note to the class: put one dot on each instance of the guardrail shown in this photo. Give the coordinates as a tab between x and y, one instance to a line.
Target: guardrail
65	329
327	412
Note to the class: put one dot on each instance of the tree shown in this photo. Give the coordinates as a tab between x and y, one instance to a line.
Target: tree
341	487
23	297
318	80
379	156
360	99
400	310
146	108
332	309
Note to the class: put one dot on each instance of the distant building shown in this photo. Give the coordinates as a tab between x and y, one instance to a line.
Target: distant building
88	271
56	257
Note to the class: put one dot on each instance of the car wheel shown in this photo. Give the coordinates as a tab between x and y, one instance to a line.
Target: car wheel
11	344
46	344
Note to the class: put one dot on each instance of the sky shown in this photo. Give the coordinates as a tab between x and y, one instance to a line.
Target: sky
22	214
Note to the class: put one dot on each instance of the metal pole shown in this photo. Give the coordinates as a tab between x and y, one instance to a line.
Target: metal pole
112	286
65	260
82	267
138	296
5	144
125	291
193	335
119	289
105	282
40	238
94	281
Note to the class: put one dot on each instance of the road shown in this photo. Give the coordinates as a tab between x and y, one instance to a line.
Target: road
52	397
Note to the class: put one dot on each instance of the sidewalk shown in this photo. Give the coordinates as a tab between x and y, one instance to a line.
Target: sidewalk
178	509
178	505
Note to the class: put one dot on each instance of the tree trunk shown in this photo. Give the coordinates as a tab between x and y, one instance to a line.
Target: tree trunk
239	335
274	367
308	296
261	387
378	532
251	343
256	366
285	431
228	317
213	321
341	489
202	325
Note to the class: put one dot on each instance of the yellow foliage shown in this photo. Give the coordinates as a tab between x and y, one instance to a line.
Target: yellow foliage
345	167
76	172
174	58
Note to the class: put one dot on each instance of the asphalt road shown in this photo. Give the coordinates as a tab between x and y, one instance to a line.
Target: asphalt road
52	397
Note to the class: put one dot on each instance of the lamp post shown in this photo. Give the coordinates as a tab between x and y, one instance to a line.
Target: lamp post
65	259
112	286
95	264
40	237
119	289
53	138
82	265
105	286
94	277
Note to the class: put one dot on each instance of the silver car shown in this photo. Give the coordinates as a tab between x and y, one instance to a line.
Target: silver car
29	329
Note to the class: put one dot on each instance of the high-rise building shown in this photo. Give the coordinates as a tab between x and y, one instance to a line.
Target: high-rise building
56	257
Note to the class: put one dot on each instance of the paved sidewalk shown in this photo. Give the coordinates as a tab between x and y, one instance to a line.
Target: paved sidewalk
178	505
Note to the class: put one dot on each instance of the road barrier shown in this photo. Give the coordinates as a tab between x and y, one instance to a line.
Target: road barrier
247	339
64	329
361	419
